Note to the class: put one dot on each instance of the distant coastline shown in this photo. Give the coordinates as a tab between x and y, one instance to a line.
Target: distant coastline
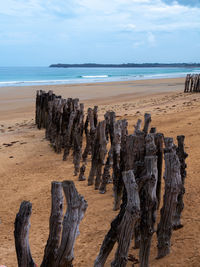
127	65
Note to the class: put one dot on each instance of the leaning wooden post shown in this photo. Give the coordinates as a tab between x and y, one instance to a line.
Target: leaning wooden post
76	207
148	200
182	155
21	233
131	215
111	237
173	183
55	225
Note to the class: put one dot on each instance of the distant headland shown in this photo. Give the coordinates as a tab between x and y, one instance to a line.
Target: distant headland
126	65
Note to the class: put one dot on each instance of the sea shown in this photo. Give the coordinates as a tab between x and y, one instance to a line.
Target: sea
24	76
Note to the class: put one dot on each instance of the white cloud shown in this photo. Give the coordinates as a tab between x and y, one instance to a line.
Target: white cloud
151	39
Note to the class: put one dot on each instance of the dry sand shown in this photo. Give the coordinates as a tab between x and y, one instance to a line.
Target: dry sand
29	165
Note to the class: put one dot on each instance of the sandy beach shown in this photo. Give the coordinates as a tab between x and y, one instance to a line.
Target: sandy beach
29	165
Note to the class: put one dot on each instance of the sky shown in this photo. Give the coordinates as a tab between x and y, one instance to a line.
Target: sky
42	32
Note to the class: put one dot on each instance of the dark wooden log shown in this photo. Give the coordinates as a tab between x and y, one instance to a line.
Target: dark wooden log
173	184
117	179
82	172
87	149
78	139
137	126
76	207
106	174
159	137
58	124
187	83
98	155
147	121
21	234
68	136
49	120
101	131
55	226
182	155
92	119
131	215
95	114
148	200
111	237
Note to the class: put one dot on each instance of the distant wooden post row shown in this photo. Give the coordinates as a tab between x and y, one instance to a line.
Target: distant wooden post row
131	161
192	83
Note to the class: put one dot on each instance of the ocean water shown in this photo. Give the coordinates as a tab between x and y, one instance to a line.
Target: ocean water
23	76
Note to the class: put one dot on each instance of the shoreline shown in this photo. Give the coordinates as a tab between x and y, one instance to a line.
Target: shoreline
21	100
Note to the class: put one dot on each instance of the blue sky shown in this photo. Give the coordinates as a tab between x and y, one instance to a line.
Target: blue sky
41	32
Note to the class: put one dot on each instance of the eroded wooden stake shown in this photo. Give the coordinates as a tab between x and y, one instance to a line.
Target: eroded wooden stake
21	233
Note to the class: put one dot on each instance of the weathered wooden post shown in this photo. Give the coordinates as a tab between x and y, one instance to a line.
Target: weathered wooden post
78	139
55	226
68	136
131	215
82	172
182	155
76	207
148	200
21	233
110	121
58	253
98	155
173	185
117	184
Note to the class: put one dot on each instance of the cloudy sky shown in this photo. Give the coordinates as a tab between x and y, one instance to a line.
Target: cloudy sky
41	32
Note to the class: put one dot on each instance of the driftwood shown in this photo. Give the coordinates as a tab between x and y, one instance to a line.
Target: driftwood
173	185
21	233
148	201
55	226
182	155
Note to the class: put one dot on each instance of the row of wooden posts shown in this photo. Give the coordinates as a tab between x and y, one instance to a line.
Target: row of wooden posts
132	162
192	83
